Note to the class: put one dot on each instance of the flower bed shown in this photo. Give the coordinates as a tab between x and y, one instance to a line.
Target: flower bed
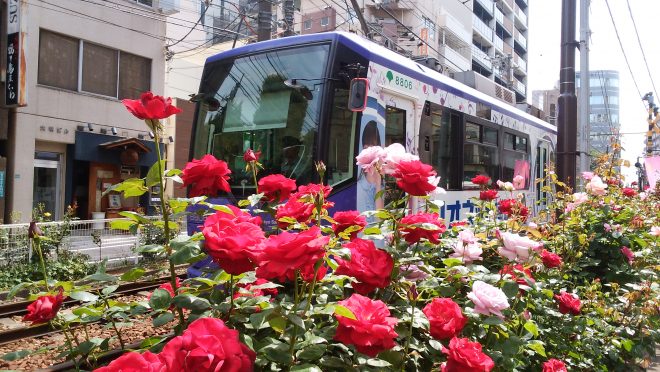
574	288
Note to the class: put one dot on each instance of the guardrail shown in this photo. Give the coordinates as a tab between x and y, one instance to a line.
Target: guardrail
93	238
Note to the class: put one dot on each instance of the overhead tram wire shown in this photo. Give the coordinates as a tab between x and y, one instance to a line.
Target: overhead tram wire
201	16
639	41
632	76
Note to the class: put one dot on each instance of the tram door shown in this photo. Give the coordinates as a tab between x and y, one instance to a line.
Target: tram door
400	119
543	160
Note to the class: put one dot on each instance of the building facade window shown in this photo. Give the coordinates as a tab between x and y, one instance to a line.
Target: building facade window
430	26
308	24
149	3
78	65
325	21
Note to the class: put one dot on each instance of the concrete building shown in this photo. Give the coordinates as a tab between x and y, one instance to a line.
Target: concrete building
70	137
603	109
546	101
482	43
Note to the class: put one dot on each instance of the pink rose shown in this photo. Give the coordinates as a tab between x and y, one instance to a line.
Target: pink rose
629	254
587	175
467	248
135	362
596	186
516	247
554	365
655	230
370	157
488	299
395	154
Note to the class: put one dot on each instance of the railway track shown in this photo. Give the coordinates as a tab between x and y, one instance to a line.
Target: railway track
20	309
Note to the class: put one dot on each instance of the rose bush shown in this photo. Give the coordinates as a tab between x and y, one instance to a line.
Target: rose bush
297	289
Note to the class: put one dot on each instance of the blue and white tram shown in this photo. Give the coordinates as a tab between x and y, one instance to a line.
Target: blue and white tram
290	98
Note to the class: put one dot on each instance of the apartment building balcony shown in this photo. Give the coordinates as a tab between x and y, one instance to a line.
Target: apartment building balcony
508	25
520	39
453	59
481	57
499	16
489	5
484	31
519	86
522	2
520	64
499	43
507	6
520	17
508	49
453	28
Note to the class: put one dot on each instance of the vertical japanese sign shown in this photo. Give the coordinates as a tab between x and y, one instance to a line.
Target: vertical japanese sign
15	77
423	48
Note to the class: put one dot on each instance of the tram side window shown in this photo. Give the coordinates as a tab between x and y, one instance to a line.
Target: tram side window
437	144
341	142
515	160
480	154
395	126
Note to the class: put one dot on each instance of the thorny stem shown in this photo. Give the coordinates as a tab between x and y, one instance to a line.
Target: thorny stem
231	296
114	326
410	331
166	220
37	243
296	299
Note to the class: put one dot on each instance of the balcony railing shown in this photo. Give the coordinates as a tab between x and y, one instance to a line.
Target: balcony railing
485	31
521	63
499	16
499	43
521	39
522	17
508	3
452	25
481	57
508	49
519	86
454	60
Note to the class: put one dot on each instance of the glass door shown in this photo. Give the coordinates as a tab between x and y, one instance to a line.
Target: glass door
46	186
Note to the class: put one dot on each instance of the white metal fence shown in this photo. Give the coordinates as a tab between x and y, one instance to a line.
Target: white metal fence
93	238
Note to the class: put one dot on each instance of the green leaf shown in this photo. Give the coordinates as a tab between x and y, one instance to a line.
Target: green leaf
451	262
83	296
510	289
531	327
295	319
277	323
122	224
372	231
133	274
627	344
306	368
378	363
86	347
344	311
312	352
537	346
163	318
160	299
107	290
178	205
150	248
130	187
188	301
15	289
151	341
16	355
86	311
155	173
134	216
101	277
186	253
493	320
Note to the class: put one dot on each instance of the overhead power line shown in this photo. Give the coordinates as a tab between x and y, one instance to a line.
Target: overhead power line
639	41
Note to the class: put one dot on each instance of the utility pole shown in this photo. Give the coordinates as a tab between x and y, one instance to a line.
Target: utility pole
288	17
585	93
567	102
265	19
363	22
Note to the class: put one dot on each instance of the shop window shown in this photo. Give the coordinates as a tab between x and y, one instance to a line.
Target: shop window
58	60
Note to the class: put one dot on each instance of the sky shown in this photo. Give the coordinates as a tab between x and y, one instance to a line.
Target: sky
605	54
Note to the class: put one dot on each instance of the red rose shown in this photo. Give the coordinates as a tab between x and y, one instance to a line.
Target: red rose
568	303
466	356
511	207
233	246
276	187
413	177
550	259
445	317
372	330
481	180
488	195
252	292
135	362
168	287
411	227
371	266
554	365
44	308
515	271
612	181
251	155
458	223
206	176
237	215
207	345
295	210
151	107
287	252
344	220
312	191
627	191
628	254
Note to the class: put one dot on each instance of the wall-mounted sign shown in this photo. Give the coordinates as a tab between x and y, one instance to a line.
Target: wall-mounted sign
2	183
15	93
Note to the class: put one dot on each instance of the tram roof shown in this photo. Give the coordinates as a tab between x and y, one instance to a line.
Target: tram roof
388	58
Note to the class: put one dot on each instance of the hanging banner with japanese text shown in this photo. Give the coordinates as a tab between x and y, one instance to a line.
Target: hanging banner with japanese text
15	93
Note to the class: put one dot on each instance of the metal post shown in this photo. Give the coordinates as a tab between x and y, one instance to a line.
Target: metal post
363	22
585	93
265	19
288	17
567	102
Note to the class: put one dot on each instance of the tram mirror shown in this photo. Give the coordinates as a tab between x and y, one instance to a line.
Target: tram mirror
357	100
